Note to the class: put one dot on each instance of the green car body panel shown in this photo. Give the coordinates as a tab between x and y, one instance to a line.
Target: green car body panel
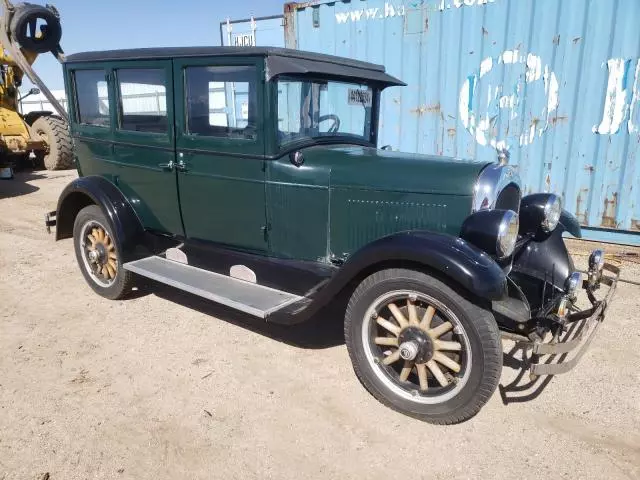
345	196
247	194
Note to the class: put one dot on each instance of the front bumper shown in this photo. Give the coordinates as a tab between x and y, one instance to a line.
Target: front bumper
552	357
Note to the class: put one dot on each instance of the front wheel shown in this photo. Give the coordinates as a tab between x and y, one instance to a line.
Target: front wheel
421	348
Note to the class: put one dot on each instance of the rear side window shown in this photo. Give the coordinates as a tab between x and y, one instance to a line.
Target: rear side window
222	101
92	97
143	100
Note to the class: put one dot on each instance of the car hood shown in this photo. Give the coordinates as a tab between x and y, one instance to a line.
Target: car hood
374	169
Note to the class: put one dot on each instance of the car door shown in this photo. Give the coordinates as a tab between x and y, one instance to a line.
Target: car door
220	148
144	142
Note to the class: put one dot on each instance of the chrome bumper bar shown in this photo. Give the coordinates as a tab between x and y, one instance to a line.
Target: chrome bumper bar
582	325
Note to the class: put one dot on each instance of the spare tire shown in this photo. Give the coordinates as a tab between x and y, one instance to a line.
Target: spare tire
55	132
23	25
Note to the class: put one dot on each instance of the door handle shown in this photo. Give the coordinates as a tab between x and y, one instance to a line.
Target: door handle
167	166
181	166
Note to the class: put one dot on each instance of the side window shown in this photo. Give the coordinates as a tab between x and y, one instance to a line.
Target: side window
143	100
92	97
222	101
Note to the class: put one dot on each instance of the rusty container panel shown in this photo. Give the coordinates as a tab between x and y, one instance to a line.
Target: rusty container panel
557	83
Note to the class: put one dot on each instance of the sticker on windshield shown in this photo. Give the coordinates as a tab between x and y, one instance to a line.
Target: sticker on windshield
359	97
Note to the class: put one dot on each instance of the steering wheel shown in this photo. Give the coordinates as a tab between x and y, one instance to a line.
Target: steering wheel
336	122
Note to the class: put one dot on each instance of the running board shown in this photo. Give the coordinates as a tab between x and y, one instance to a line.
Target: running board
247	297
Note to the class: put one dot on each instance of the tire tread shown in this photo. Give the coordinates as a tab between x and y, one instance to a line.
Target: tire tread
63	148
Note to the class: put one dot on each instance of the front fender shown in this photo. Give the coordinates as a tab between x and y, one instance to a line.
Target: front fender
569	223
453	257
97	190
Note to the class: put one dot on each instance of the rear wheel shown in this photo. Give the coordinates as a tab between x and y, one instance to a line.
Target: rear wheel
98	254
421	348
54	132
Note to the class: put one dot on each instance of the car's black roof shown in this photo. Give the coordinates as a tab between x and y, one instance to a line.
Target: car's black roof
279	60
182	52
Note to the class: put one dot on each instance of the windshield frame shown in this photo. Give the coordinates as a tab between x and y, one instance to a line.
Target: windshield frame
370	140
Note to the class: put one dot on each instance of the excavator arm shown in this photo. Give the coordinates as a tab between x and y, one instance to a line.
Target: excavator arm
26	31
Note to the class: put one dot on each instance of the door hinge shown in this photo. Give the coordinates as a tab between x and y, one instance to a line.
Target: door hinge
265	231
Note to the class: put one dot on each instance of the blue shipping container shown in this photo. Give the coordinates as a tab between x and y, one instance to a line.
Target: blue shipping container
555	82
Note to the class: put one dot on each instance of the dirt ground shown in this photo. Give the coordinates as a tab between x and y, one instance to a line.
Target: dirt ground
168	386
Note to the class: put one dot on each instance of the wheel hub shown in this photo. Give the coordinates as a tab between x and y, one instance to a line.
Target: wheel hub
94	256
415	344
99	254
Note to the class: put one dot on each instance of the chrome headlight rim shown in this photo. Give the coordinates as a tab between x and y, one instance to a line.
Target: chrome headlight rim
507	234
552	212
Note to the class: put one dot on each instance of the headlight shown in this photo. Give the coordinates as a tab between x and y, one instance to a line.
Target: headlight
596	263
596	260
539	213
552	211
572	283
494	231
507	234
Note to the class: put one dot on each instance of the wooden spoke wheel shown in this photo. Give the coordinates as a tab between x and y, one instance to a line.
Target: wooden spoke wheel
417	346
422	347
97	251
100	252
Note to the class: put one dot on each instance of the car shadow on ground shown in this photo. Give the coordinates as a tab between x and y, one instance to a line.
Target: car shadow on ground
323	330
524	387
18	185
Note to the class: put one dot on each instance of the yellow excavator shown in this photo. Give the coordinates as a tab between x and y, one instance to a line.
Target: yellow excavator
26	31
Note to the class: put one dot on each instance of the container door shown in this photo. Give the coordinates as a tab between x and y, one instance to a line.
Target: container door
220	150
144	143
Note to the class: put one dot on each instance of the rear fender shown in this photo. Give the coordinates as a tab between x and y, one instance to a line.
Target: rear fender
95	190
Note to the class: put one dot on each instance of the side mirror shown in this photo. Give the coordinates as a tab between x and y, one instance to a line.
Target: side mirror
296	158
34	91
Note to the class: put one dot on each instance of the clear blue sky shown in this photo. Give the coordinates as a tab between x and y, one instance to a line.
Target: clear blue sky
110	24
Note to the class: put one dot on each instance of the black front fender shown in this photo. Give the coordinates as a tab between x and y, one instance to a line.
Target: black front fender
451	257
569	223
120	214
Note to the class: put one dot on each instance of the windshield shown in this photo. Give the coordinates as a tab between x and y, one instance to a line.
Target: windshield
312	109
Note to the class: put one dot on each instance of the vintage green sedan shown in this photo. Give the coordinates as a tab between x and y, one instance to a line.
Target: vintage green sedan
251	177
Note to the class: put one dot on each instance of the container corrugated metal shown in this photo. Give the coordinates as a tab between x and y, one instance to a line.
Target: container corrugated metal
555	82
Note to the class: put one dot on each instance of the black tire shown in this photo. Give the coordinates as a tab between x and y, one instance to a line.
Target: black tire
478	324
26	14
55	132
116	288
